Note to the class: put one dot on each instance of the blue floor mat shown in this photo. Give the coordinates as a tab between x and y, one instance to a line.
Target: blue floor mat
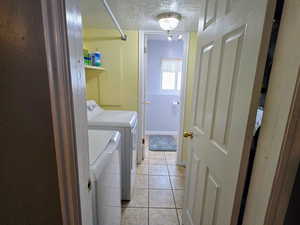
162	143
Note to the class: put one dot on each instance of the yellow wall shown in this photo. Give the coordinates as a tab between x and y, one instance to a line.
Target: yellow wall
117	86
189	89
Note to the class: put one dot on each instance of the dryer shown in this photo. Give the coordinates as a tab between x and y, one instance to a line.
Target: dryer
104	152
126	123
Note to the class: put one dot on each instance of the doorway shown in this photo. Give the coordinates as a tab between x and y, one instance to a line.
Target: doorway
162	91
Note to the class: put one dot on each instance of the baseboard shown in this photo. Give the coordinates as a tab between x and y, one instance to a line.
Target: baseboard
181	163
157	132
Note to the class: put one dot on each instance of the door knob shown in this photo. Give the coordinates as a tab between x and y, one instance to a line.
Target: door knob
187	134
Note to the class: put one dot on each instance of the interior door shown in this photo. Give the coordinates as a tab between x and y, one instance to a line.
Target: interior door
233	38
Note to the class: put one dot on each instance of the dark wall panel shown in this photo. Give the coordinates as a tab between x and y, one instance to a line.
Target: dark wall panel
28	175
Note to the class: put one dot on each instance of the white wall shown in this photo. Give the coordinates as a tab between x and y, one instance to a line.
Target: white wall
161	115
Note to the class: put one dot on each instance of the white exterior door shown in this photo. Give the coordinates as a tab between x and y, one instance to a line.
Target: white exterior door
233	40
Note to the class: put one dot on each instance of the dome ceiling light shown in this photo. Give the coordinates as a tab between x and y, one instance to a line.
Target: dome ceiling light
169	21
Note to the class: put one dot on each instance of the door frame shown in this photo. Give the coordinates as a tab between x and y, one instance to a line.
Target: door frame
278	153
63	47
285	169
142	79
287	165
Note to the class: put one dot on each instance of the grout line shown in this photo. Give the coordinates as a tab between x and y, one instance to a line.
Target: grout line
174	201
160	189
163	208
135	207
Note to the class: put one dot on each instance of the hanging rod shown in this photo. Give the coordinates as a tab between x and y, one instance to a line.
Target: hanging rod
123	35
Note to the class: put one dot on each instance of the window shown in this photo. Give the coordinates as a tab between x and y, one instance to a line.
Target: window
168	80
171	70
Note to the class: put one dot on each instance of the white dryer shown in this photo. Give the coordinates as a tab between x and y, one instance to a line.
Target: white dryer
126	123
104	152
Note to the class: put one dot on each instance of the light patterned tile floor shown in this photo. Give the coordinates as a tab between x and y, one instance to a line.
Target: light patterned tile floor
159	182
158	196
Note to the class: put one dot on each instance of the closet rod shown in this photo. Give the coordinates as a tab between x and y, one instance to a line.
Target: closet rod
123	35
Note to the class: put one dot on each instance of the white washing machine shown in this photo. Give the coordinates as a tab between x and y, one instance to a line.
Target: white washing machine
104	152
126	123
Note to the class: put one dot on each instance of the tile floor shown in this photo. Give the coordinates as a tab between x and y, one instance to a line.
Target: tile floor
158	195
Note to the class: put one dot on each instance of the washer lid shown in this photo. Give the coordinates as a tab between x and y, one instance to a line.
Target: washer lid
114	118
98	142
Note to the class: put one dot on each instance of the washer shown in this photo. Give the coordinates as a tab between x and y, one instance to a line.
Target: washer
104	152
126	123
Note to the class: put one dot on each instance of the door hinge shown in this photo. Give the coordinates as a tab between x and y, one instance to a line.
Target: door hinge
143	141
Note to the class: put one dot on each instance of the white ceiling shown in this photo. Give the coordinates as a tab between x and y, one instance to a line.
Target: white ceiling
139	14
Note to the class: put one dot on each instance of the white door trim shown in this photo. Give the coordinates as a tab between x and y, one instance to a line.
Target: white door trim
142	78
141	150
61	107
180	160
67	100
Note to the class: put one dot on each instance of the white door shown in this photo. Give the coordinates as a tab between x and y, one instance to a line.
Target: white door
231	58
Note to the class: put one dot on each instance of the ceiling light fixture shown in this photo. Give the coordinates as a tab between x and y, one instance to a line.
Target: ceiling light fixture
169	20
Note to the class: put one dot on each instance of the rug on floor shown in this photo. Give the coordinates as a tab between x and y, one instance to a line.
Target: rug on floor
162	143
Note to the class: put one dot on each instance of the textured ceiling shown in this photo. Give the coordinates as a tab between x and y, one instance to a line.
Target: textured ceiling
139	14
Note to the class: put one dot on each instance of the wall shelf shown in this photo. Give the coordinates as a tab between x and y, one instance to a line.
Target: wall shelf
99	68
